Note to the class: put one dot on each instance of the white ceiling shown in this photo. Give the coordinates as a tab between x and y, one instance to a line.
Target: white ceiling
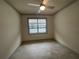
22	7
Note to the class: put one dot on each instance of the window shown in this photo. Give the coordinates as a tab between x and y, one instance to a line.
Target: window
37	26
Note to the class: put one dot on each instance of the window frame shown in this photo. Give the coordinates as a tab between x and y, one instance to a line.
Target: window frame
37	28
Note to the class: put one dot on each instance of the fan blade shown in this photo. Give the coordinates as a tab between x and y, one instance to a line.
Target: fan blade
50	7
30	4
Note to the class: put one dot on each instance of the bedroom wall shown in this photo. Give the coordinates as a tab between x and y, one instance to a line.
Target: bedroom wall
10	36
26	36
67	26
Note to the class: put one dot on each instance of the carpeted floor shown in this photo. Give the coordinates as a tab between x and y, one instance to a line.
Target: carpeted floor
44	50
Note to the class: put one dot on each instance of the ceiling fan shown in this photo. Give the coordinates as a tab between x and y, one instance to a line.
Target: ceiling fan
42	6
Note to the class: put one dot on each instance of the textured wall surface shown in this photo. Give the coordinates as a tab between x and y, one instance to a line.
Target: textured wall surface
67	26
10	36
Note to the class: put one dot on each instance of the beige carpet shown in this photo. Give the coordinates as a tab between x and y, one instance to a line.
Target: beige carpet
44	50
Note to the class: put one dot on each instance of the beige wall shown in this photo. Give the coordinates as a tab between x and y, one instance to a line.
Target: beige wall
67	26
27	36
10	36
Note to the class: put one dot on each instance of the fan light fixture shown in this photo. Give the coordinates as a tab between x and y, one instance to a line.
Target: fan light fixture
42	7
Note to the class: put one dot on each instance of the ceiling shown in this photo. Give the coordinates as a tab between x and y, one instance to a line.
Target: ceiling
23	8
